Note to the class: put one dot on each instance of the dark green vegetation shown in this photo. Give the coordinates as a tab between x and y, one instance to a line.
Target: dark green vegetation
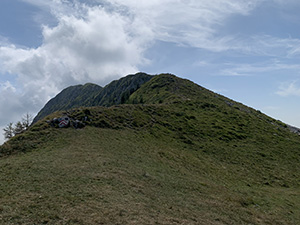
115	93
74	96
175	153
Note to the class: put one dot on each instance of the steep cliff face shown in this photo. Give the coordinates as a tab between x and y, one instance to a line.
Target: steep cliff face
71	97
117	92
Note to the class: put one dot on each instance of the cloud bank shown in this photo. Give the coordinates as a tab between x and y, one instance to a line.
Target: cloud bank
96	46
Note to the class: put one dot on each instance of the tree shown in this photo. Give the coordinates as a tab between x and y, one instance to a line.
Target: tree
9	131
19	128
26	120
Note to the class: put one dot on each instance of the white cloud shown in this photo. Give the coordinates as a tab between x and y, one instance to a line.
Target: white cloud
289	89
198	24
189	22
264	67
11	104
97	46
272	46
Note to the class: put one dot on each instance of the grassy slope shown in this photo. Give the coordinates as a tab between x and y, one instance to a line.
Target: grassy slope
199	160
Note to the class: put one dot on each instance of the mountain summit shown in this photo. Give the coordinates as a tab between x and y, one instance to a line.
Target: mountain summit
155	150
93	95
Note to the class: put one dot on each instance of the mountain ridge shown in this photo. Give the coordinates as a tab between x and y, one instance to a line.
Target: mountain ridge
172	153
94	95
73	96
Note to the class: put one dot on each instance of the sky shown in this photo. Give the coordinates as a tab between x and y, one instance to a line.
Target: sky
247	50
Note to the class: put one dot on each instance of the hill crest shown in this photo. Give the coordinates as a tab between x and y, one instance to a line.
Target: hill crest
171	152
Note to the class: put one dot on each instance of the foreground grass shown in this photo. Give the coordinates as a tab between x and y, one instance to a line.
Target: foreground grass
109	176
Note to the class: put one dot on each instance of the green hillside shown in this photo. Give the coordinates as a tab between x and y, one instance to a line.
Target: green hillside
175	153
118	91
114	93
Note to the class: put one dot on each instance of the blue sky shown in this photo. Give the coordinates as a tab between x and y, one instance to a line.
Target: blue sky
247	50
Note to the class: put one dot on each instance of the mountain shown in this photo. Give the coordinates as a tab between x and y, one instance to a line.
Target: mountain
74	96
116	92
172	153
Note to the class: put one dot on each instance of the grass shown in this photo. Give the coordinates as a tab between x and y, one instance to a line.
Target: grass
187	160
150	174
